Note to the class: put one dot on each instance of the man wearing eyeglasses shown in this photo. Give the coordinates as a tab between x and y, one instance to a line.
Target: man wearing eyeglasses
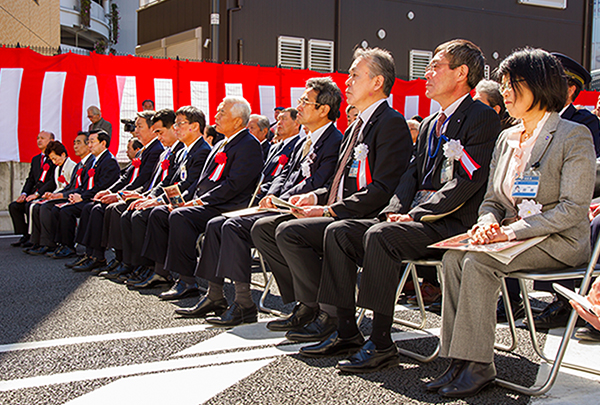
376	151
98	122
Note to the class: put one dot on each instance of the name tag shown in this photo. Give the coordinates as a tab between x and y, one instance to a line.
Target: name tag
447	171
526	186
183	174
353	169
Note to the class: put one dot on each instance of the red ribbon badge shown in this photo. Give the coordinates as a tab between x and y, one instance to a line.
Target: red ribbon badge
91	174
165	168
78	182
46	167
62	179
283	159
136	163
220	159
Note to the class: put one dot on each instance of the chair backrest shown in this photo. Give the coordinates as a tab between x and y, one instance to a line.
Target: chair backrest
256	190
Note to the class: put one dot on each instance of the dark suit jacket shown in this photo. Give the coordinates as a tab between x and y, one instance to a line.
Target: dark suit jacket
586	118
106	173
150	157
390	148
71	187
322	165
238	180
171	170
265	146
476	126
33	183
272	163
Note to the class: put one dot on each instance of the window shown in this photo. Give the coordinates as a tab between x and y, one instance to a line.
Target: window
320	55
290	52
418	61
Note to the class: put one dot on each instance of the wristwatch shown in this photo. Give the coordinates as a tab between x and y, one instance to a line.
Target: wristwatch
326	212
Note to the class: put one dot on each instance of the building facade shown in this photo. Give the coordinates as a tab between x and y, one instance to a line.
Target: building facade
30	23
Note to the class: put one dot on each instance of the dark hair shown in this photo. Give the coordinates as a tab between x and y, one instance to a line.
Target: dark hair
166	116
417	118
211	132
463	52
148	101
84	133
193	114
573	82
543	74
293	112
103	136
147	115
328	93
491	89
136	143
56	147
381	63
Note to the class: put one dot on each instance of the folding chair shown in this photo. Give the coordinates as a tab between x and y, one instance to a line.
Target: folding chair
587	273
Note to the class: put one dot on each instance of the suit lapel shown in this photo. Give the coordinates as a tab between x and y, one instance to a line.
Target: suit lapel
543	140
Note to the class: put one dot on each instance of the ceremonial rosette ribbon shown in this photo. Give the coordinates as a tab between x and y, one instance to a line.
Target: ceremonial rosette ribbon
62	179
78	181
305	167
283	159
136	163
454	150
91	174
220	160
361	155
45	169
165	168
528	208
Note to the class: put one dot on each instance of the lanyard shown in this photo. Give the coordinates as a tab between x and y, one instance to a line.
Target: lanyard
431	136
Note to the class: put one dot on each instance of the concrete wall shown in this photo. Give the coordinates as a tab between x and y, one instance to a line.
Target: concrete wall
28	23
12	178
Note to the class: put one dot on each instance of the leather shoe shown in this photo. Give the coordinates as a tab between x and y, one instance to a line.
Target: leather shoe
334	345
24	239
555	315
64	252
32	249
74	263
90	265
315	331
449	375
235	315
204	307
472	378
122	268
588	333
152	280
300	316
135	274
109	267
429	292
517	307
180	289
50	253
369	359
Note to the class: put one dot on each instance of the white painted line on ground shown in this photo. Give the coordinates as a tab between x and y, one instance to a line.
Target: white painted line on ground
101	338
243	336
154	367
9	236
183	387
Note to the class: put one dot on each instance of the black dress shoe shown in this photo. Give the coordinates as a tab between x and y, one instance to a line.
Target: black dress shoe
204	307
180	289
449	375
555	315
369	359
316	331
111	265
27	244
472	378
51	251
517	307
300	316
122	268
135	273
76	262
334	346
588	333
152	280
39	251
64	252
29	249
139	274
21	241
235	315
90	265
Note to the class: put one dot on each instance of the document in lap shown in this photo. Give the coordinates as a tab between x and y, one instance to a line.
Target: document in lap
504	252
283	207
174	195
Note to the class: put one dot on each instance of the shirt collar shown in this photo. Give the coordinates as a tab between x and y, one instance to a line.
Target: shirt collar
454	106
316	134
288	140
85	159
365	115
189	148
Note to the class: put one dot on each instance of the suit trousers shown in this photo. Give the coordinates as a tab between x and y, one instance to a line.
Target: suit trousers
49	223
263	235
112	224
68	221
386	245
84	220
226	249
134	226
471	289
36	228
300	244
18	213
92	238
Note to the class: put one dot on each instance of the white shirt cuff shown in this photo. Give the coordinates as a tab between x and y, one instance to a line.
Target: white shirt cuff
509	233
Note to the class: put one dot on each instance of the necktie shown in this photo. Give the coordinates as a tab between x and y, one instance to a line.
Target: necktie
333	191
440	123
306	147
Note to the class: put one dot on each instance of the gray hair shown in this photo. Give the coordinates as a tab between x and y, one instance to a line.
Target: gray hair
94	110
240	108
262	121
491	89
381	63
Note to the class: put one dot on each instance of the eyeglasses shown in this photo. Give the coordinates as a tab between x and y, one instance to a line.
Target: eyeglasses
180	123
508	85
303	101
434	65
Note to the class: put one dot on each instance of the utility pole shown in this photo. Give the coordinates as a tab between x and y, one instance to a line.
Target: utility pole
214	30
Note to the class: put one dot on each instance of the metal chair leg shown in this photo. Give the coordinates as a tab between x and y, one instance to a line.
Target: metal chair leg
511	321
412	270
261	302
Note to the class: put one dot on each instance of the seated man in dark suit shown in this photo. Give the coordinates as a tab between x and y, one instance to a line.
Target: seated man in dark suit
259	127
225	184
39	180
437	197
104	173
226	248
376	150
93	229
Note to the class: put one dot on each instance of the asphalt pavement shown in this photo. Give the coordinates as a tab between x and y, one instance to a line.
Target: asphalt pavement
75	338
